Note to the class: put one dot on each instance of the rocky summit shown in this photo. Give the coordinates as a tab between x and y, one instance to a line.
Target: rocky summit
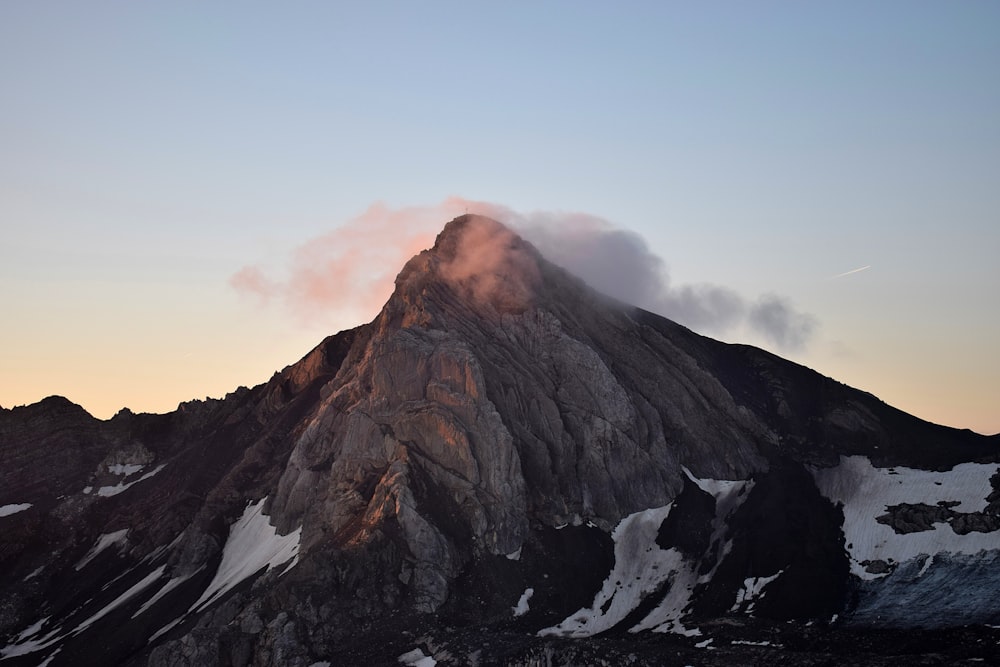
503	468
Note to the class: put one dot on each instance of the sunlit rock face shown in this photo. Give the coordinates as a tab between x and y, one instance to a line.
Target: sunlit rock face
501	452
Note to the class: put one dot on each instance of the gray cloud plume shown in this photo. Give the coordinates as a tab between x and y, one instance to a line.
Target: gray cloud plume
619	263
776	319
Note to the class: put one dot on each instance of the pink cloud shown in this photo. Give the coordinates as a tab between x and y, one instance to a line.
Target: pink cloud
349	272
251	280
492	265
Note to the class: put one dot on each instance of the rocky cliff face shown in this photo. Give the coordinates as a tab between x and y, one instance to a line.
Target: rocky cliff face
501	453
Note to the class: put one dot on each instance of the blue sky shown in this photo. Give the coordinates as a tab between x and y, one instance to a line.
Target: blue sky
150	151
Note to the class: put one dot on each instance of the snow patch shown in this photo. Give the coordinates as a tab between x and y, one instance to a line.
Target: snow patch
253	544
48	660
753	590
416	658
121	599
866	492
24	645
124	468
928	561
169	586
30	646
14	508
705	644
103	542
641	567
31	630
716	487
522	604
666	617
515	555
165	629
108	491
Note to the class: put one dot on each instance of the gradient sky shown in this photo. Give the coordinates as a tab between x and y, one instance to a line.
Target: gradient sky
150	151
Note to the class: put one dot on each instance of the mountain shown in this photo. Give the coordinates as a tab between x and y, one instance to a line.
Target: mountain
503	468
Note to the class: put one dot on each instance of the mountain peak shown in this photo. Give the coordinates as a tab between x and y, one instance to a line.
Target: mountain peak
481	261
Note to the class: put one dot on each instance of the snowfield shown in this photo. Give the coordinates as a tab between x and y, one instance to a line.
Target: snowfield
7	510
752	590
126	470
416	658
522	607
169	586
643	568
866	492
103	542
253	544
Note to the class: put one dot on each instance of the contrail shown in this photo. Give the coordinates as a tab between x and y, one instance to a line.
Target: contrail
847	273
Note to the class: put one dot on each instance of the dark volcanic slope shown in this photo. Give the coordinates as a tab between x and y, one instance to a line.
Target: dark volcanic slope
504	452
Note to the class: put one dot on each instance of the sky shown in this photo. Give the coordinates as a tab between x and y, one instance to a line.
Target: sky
168	171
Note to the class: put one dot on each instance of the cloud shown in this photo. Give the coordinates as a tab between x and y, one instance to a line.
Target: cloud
491	265
350	271
620	263
773	317
251	280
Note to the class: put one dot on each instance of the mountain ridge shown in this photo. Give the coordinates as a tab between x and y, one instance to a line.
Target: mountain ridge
498	427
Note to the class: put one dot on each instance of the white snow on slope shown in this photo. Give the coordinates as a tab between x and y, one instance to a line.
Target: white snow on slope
666	617
416	658
253	544
866	492
124	468
103	542
522	604
164	630
121	599
747	642
7	510
752	590
23	647
169	586
31	630
30	646
108	491
48	660
642	567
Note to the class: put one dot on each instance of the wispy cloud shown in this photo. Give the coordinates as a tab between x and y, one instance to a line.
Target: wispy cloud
350	271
